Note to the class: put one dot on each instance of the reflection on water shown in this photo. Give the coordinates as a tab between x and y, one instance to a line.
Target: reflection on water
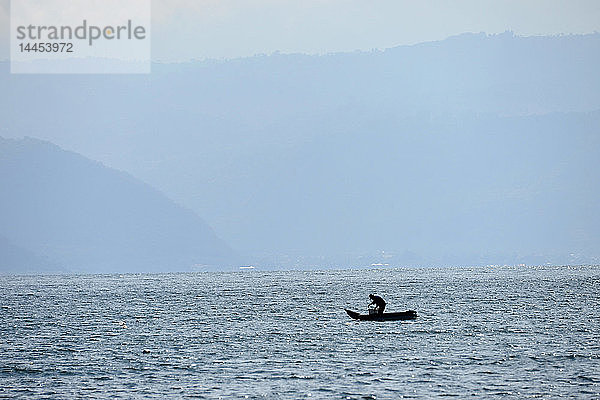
486	332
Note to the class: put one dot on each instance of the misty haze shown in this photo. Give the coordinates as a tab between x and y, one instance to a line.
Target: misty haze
474	150
383	205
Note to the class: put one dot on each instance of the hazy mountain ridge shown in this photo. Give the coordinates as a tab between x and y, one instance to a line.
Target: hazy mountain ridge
483	190
90	218
475	149
16	260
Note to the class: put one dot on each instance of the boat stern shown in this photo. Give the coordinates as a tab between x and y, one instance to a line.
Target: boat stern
352	314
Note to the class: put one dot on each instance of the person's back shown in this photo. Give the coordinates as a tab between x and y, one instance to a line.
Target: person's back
378	302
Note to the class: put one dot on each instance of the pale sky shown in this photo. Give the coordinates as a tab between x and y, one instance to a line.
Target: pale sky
200	29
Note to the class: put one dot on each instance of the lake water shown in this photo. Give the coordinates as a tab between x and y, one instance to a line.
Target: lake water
489	332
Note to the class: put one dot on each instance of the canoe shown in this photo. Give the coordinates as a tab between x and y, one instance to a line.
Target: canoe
396	316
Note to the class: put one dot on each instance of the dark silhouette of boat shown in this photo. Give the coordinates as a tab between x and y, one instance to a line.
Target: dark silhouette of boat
396	316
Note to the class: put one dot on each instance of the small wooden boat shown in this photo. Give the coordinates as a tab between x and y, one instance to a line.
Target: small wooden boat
396	316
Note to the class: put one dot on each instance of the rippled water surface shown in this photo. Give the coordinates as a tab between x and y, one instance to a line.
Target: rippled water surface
507	332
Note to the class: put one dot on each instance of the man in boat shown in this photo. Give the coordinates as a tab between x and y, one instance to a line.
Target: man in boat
378	302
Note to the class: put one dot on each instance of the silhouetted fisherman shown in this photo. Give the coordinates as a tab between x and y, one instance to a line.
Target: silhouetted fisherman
379	303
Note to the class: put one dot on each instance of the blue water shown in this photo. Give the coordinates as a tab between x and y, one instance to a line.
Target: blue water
488	332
